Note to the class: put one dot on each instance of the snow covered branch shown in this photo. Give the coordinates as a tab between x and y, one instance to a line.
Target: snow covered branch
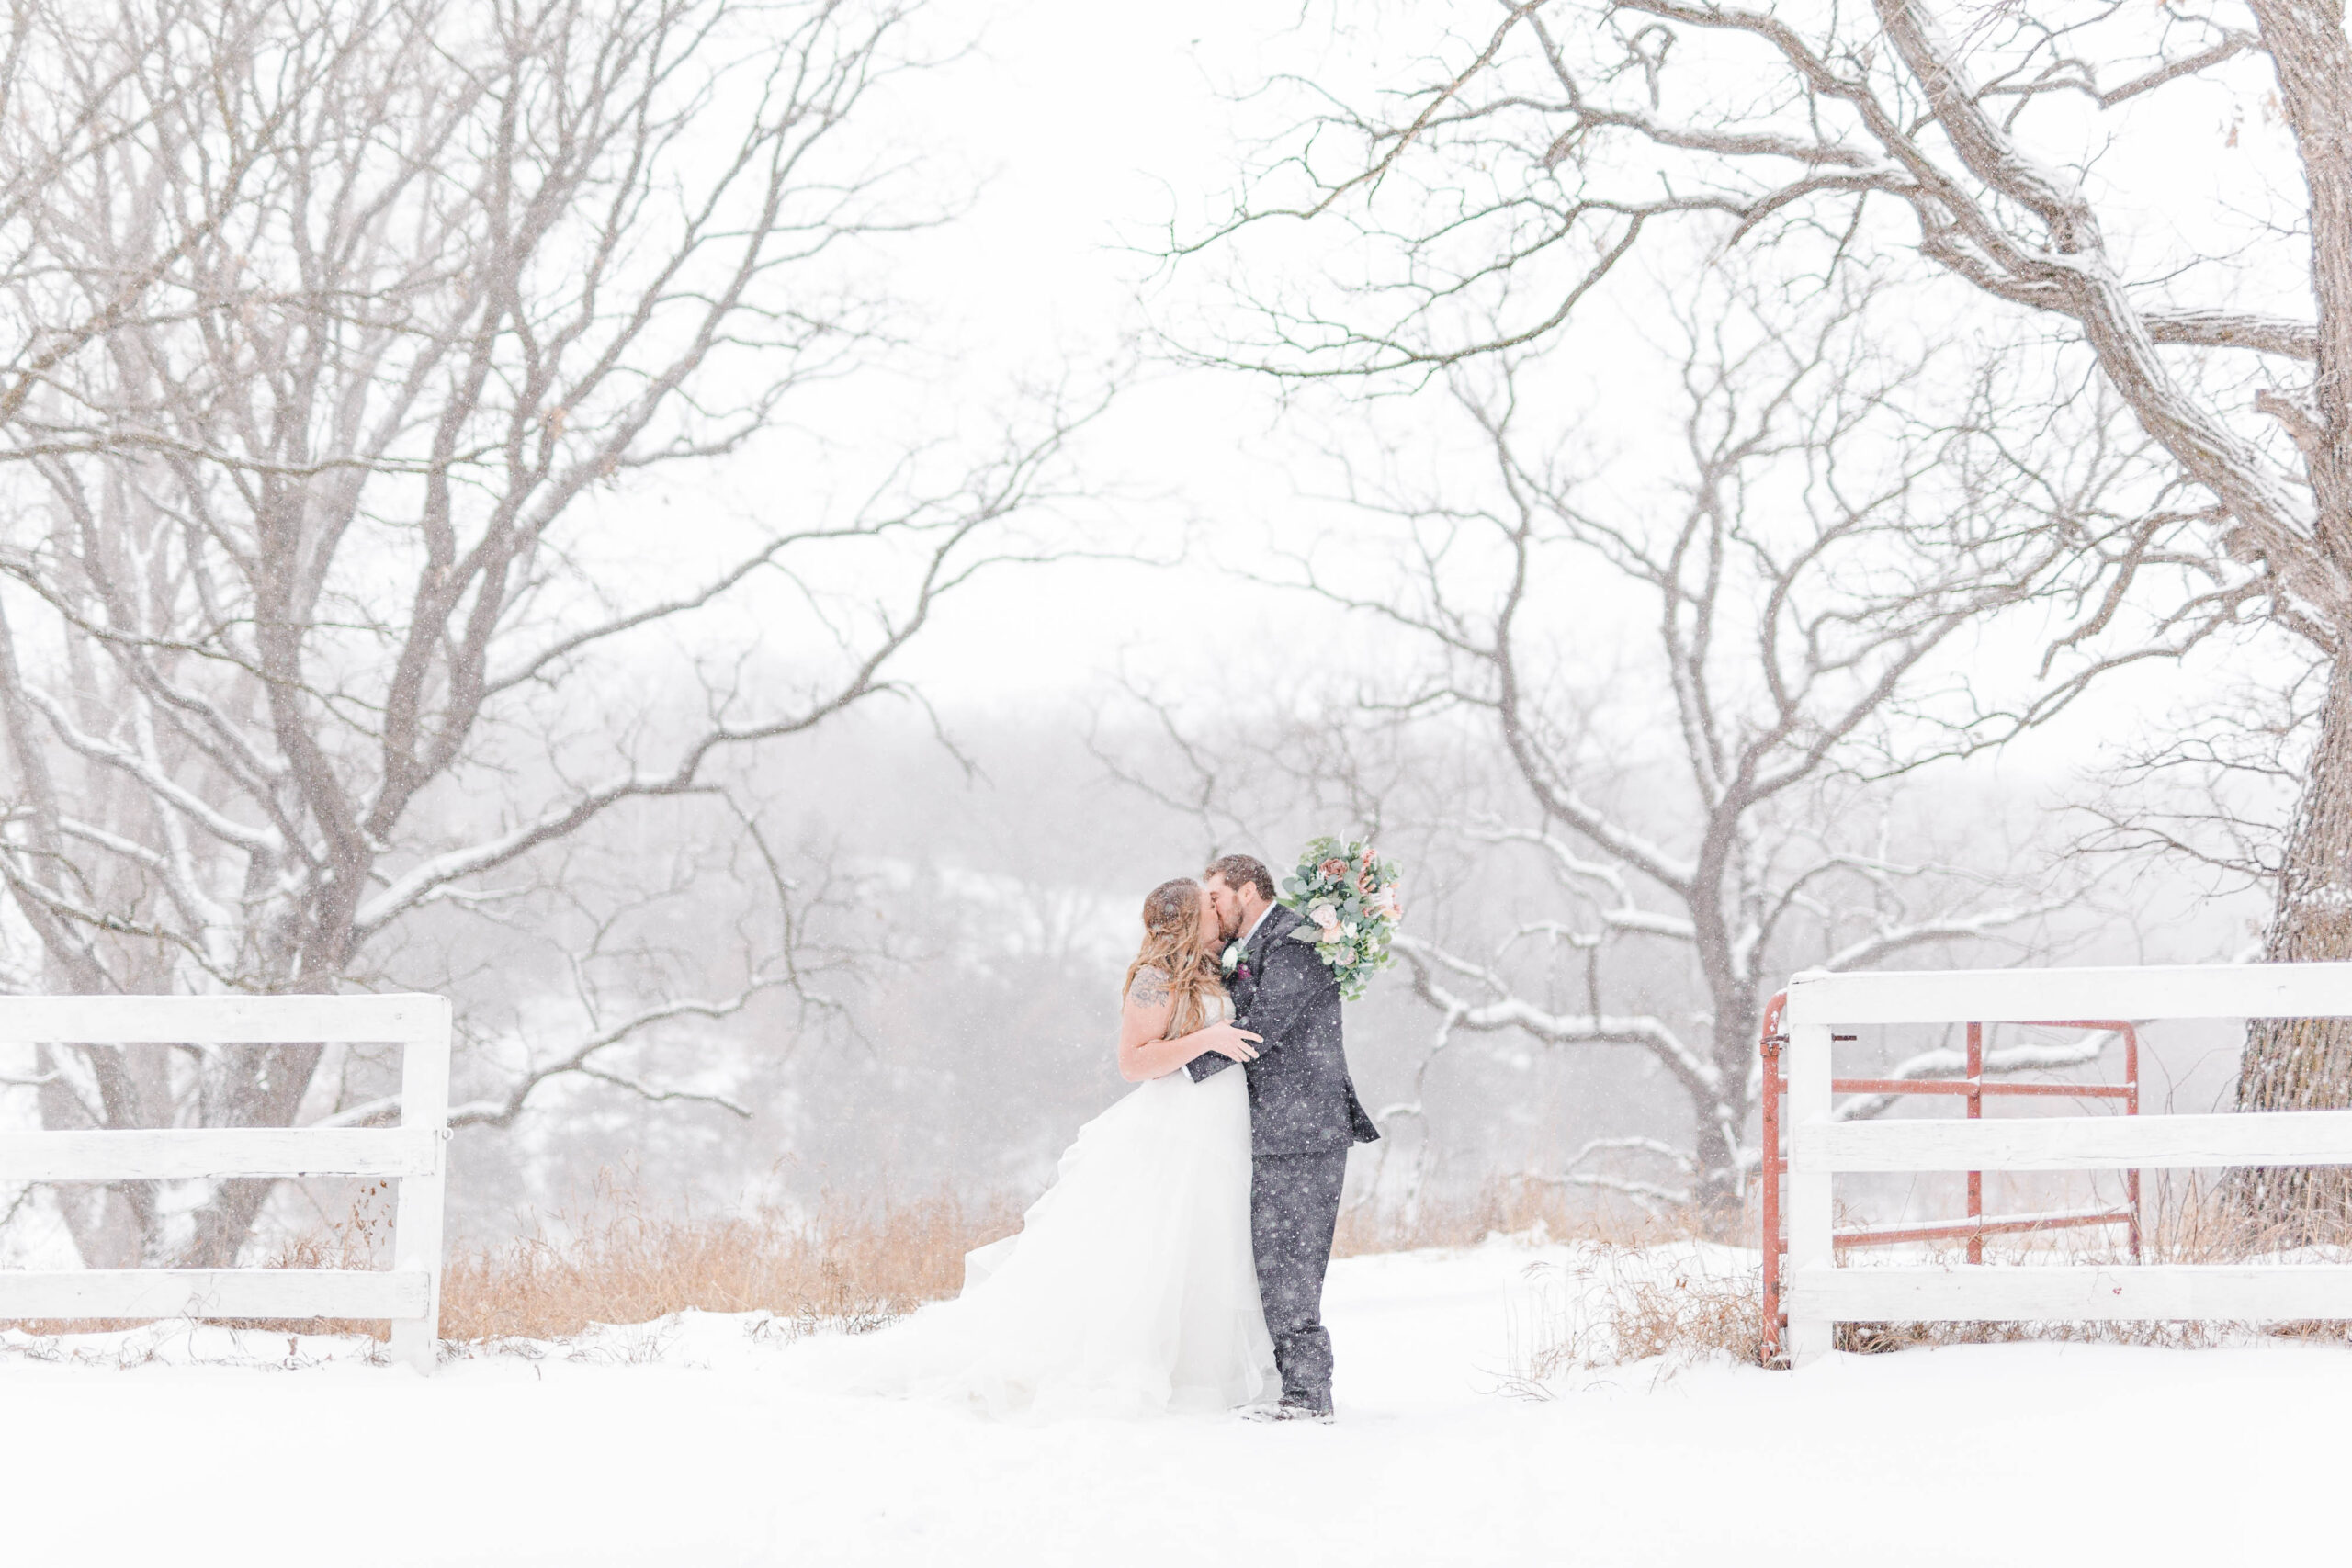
1649	1194
1894	938
1502	1009
581	1062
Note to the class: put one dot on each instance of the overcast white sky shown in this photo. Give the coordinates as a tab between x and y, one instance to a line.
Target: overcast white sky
1085	127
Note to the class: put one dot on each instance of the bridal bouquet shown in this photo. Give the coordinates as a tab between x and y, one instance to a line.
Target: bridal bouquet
1352	901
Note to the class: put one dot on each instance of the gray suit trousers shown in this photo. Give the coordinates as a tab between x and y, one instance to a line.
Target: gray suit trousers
1294	1212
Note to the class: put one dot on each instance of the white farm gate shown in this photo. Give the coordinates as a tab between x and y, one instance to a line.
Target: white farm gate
408	1295
1819	1295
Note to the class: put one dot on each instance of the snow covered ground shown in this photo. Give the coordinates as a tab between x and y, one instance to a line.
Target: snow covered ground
685	1444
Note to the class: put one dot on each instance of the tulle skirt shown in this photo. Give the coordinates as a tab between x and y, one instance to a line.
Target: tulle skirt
1128	1290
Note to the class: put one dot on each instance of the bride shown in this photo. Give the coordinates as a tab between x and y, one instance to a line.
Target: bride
1130	1286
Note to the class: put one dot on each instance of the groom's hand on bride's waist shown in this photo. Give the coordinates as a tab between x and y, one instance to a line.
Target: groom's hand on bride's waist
1232	1039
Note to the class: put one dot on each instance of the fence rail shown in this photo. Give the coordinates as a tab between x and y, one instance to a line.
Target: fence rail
1818	1294
2021	995
396	1294
408	1295
405	1019
2060	1292
177	1154
2078	1143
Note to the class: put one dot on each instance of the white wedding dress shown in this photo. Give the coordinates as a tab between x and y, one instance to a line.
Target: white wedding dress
1128	1290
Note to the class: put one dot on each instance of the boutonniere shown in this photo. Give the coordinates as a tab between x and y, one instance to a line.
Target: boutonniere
1232	959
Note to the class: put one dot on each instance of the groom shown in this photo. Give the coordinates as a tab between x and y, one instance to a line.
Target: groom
1304	1115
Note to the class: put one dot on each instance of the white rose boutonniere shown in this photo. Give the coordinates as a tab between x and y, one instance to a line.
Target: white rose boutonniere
1232	959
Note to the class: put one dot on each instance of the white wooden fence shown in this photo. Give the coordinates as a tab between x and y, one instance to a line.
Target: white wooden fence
408	1294
1819	1295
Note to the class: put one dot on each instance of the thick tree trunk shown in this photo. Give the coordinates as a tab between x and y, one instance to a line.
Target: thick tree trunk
1715	1184
1716	1189
2303	1065
266	1092
223	1225
2306	1064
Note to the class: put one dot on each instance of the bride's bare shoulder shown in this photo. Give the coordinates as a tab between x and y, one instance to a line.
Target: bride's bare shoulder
1150	986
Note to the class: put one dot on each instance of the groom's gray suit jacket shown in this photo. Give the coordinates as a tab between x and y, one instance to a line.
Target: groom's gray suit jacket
1301	1097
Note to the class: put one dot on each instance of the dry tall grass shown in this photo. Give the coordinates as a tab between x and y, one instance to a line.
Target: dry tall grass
1614	1305
851	1267
844	1265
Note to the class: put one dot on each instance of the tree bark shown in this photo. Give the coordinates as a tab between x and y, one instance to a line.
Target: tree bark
1715	1189
2306	1064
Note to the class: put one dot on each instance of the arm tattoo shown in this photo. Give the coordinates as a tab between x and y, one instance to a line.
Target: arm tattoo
1150	990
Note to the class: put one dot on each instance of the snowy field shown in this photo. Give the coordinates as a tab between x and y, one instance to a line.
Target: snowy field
685	1444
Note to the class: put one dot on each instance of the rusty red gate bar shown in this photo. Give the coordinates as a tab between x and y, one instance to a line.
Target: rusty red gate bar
1975	1227
1976	1112
1769	1172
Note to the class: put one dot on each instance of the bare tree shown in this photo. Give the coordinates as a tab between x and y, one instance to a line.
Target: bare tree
1793	618
350	331
1976	140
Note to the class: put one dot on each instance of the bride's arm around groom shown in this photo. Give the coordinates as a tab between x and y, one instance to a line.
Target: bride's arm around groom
1146	1052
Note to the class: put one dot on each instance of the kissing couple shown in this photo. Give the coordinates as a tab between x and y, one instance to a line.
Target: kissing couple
1177	1261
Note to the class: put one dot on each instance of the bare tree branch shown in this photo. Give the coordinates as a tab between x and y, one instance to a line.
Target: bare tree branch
333	324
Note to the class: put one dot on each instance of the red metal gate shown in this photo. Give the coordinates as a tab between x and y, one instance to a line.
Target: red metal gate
1975	1227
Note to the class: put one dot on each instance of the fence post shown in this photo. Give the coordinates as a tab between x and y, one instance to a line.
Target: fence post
1808	1197
416	1222
1769	1049
1976	1113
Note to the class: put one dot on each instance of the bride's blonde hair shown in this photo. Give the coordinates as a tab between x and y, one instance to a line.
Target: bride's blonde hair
1171	934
